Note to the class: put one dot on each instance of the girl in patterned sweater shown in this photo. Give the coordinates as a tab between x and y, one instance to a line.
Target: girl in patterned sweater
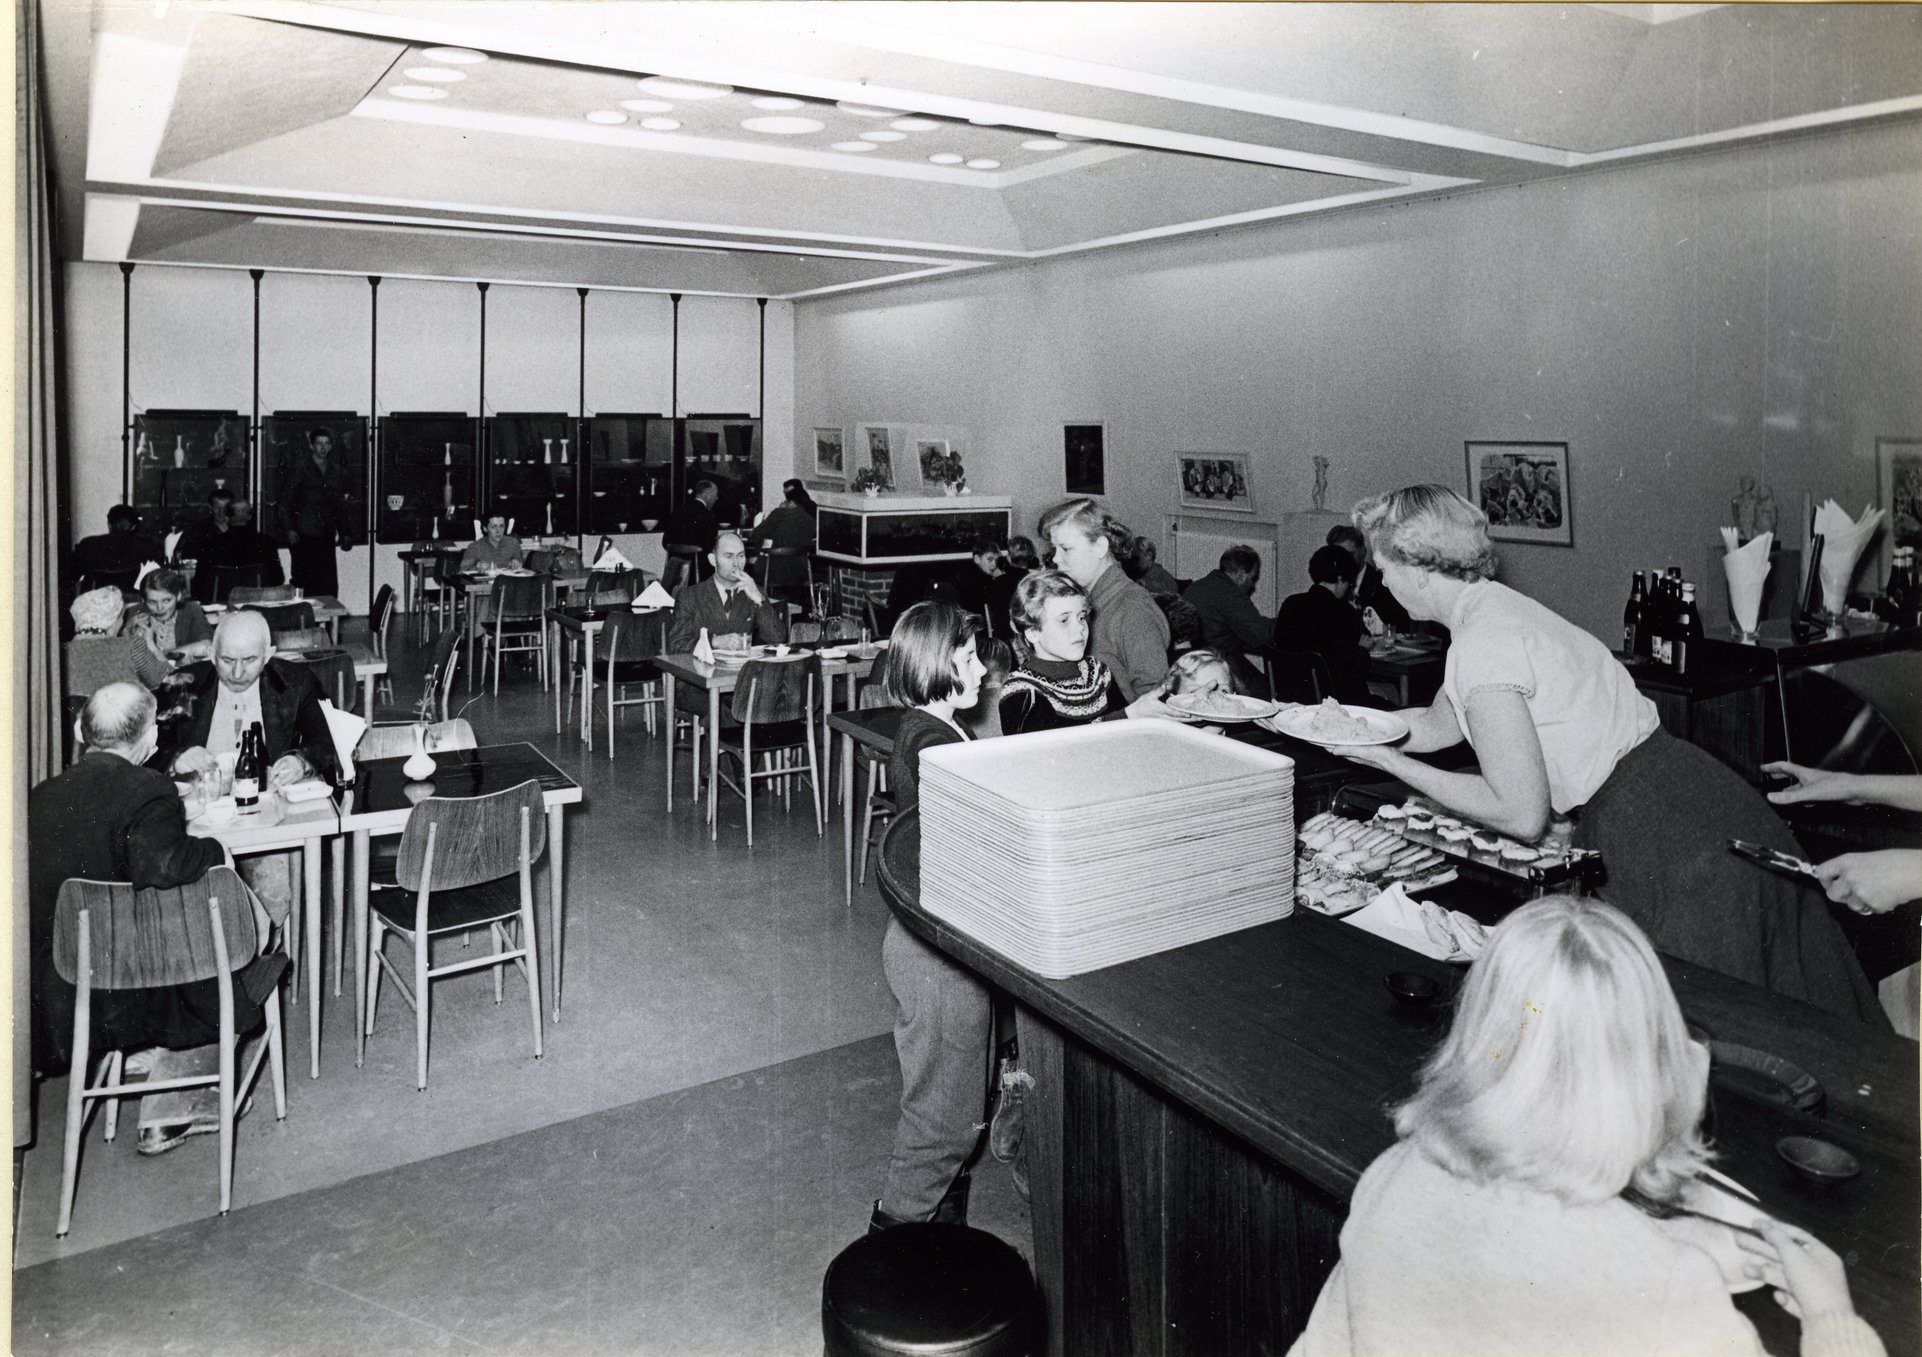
1057	682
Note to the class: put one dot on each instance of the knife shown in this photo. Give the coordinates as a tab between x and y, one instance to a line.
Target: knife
1769	857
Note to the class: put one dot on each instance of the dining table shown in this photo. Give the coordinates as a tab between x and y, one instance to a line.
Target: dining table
479	584
328	612
382	797
1412	665
585	623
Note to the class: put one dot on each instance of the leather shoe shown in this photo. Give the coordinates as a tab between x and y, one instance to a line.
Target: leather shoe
159	1139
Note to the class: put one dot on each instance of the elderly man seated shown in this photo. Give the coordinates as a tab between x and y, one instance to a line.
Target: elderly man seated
108	818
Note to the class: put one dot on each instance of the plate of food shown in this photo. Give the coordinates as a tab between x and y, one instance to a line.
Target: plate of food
1220	706
1333	724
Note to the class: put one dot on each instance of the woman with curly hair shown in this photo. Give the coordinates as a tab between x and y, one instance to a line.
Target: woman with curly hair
1559	728
1128	632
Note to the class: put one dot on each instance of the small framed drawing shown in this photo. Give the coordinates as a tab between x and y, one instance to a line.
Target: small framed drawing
874	454
1524	490
830	455
1084	458
932	455
1898	472
1215	481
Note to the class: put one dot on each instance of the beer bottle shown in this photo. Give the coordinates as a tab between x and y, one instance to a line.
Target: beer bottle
1634	640
249	773
1688	631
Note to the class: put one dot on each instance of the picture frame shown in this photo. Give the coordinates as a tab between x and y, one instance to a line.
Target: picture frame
875	450
1084	457
1215	482
1898	489
1524	489
830	454
931	458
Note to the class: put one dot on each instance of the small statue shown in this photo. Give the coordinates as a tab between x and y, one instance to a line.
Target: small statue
1766	514
1742	508
1321	483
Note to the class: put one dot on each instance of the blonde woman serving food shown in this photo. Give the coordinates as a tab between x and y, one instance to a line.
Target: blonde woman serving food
1558	728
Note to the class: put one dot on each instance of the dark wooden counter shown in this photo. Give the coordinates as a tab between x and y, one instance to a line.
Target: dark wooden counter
1202	1115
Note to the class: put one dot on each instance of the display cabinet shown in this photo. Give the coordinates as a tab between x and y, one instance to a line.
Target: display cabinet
886	530
630	472
286	436
179	458
427	466
533	472
725	449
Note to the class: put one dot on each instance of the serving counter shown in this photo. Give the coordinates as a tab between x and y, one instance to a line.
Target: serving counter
1200	1117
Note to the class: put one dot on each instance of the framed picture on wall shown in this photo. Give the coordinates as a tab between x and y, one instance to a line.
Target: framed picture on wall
1084	458
1215	482
1524	490
874	453
1898	472
830	455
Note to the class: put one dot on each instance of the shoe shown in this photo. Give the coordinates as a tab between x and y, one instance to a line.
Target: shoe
1010	1119
139	1064
952	1209
159	1139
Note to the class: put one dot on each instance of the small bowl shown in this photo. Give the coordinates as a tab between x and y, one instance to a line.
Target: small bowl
222	810
1413	989
1821	1163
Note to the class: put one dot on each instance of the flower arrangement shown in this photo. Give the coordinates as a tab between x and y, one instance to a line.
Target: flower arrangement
869	480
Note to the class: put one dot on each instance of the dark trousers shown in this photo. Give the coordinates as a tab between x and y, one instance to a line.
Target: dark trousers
315	569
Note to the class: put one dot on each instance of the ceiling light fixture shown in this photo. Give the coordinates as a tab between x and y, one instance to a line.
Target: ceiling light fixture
884	136
775	103
455	56
416	92
669	88
435	75
778	126
867	110
855	146
660	124
1044	144
914	124
945	158
647	106
607	117
984	164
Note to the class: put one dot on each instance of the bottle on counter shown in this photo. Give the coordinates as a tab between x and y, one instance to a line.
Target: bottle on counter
1687	637
1899	595
1633	641
249	772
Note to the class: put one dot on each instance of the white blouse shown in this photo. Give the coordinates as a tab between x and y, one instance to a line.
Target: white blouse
1586	709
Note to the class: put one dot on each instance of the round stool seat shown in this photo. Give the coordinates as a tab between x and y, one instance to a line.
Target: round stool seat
931	1291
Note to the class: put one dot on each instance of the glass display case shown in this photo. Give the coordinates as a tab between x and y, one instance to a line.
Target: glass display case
427	477
286	436
179	458
883	530
725	449
533	472
630	472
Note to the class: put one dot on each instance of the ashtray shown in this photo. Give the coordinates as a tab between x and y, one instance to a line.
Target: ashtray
1411	988
1818	1161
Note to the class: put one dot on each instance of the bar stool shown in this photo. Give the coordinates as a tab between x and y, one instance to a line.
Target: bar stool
926	1288
683	566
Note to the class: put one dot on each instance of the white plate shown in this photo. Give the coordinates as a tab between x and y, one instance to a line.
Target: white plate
310	790
1222	706
1387	726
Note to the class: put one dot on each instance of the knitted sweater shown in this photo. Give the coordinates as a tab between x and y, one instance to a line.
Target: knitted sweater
1046	694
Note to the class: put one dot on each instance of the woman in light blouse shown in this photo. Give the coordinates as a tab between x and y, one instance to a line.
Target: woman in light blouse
1559	729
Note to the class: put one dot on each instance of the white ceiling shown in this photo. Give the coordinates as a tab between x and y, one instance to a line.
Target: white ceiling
269	133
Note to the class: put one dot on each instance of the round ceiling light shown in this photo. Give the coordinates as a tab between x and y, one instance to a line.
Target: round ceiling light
884	136
945	158
435	75
867	110
914	124
455	56
669	88
607	117
984	164
779	126
1044	144
416	92
855	146
647	106
775	103
660	124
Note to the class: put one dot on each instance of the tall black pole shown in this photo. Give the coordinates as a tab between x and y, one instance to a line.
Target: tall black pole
480	414
373	433
253	425
679	469
674	380
126	380
581	487
762	303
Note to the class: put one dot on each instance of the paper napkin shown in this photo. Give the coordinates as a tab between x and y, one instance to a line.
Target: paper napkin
654	597
172	543
346	728
1747	568
145	571
611	559
704	648
1842	543
1420	926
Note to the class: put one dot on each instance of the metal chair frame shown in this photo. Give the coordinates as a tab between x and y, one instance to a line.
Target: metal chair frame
755	705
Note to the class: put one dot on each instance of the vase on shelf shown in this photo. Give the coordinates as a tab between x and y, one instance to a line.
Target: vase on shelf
550	518
420	764
447	458
563	452
180	451
547	452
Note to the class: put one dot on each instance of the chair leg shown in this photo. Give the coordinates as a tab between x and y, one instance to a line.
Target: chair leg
867	825
500	945
814	784
111	1075
276	1058
611	685
421	997
228	1041
70	1148
376	970
530	941
747	781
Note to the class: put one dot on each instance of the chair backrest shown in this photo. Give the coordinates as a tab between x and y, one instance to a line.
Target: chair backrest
517	598
334	672
223	581
379	619
873	614
442	661
391	742
804	631
540	560
841	629
777	690
265	593
476	838
91	662
631	636
306	638
447	569
1297	675
615	586
119	579
141	939
282	617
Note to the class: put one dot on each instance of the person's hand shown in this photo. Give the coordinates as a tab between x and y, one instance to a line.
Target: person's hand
1810	784
193	762
1151	704
1874	882
752	590
287	770
1382	756
1808	1276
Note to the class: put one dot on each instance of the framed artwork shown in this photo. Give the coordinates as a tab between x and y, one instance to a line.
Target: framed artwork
1524	490
931	455
1898	472
1084	458
1215	481
830	455
874	452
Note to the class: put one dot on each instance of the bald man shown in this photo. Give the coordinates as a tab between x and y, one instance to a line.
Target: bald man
242	684
729	602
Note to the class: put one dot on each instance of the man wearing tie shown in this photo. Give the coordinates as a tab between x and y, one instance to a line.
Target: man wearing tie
729	602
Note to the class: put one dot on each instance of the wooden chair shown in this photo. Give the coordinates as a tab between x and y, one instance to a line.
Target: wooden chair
775	702
685	565
333	670
1296	675
380	621
283	617
614	587
109	936
632	641
788	571
442	662
307	638
467	863
221	581
241	595
516	622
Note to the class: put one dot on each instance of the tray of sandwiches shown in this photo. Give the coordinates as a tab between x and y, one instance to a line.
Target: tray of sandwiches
1476	852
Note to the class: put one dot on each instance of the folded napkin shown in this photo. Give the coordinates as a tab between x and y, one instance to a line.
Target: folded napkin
1842	543
654	597
145	571
704	648
172	542
346	728
479	532
1420	926
1747	568
611	559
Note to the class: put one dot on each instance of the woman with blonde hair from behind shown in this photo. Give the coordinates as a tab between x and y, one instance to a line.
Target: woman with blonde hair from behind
1496	1225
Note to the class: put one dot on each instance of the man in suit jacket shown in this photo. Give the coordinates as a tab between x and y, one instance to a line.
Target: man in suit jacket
730	602
1321	620
242	683
108	818
1231	625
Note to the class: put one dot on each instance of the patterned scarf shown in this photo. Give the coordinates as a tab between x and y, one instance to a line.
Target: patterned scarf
1077	690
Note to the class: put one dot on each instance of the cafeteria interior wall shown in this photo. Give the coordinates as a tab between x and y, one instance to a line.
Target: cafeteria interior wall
192	348
1677	324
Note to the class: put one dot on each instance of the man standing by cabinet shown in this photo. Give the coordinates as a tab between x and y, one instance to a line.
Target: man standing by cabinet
313	516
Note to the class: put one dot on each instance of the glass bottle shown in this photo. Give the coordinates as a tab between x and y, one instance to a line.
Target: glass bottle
1633	642
249	772
1688	631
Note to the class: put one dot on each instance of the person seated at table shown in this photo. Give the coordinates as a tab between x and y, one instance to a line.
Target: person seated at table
1319	619
1057	683
1558	728
1148	571
196	542
1496	1224
944	1024
493	549
168	619
243	548
788	526
98	654
115	556
109	818
1231	625
727	603
1022	556
983	582
694	524
1370	594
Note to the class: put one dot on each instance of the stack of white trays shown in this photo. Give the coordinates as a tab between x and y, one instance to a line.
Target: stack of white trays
1071	850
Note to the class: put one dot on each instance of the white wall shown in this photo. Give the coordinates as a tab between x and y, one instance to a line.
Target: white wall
192	347
1677	324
